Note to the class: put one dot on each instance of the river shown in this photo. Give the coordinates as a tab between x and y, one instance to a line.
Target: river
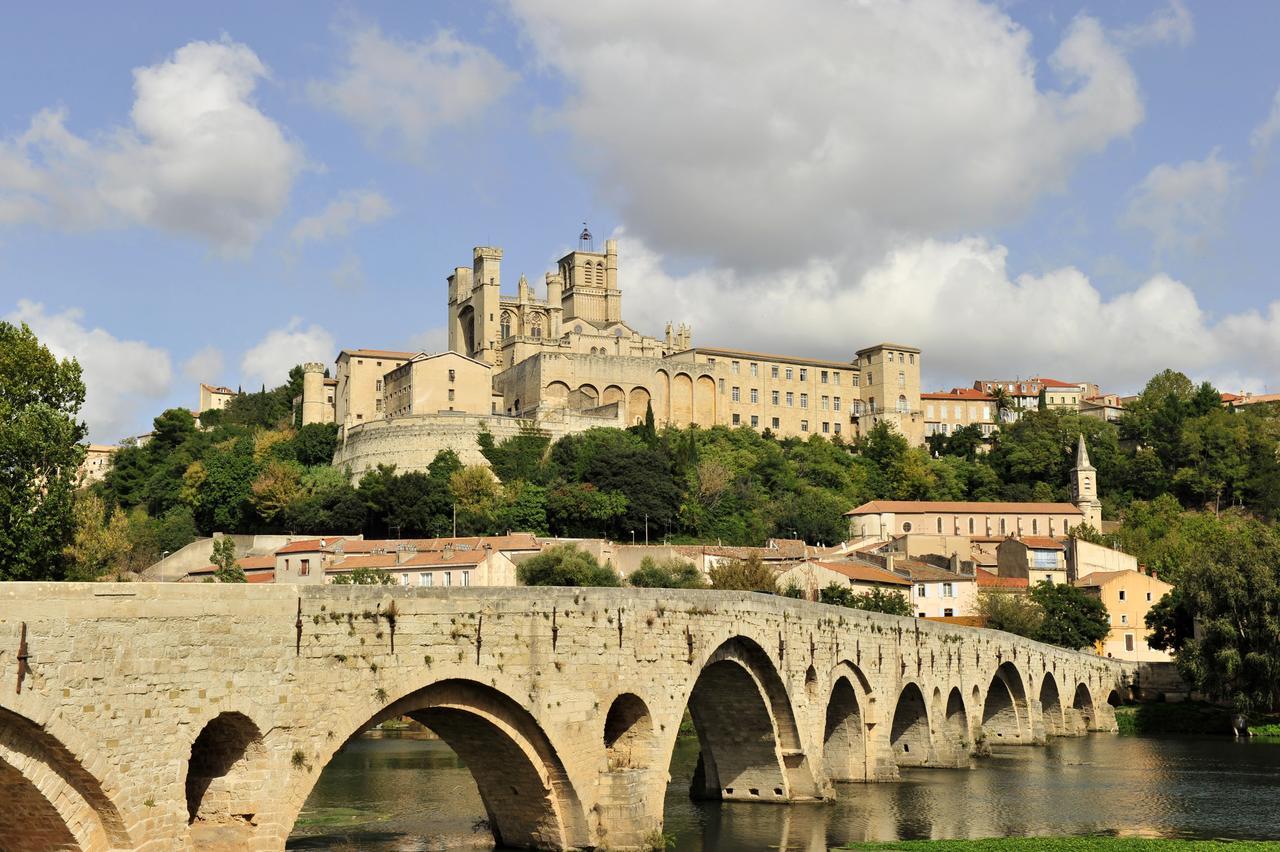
396	794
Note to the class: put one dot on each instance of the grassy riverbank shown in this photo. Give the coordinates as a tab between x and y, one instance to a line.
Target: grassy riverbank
1189	717
1071	844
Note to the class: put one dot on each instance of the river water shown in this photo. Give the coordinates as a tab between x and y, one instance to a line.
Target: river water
409	793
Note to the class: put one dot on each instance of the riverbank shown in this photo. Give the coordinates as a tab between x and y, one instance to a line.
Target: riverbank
1189	717
1070	844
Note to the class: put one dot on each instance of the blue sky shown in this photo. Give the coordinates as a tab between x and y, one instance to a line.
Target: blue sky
218	192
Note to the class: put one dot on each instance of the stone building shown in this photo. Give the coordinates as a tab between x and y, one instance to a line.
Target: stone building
97	461
1128	595
213	397
885	518
1038	558
944	413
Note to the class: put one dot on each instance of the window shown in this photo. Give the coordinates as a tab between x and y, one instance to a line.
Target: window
947	591
448	578
870	378
1124	619
826	427
424	580
902	404
304	567
948	612
853	380
377	405
537	325
404	579
1048	578
835	378
804	374
722	386
1002	526
920	587
466	578
735	366
921	615
911	359
755	369
971	526
504	327
774	423
822	376
825	402
773	371
1035	529
906	526
939	524
804	425
1148	596
804	400
451	394
736	395
1122	594
789	374
773	397
377	385
791	399
755	396
837	427
711	361
835	403
737	419
453	374
1128	641
899	357
755	422
902	379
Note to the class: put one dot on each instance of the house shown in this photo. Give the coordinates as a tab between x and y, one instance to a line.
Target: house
939	593
885	518
486	560
1128	596
944	413
1039	559
813	575
257	569
1103	407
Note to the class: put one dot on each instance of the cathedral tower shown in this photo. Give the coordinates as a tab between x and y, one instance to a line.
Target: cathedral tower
1084	487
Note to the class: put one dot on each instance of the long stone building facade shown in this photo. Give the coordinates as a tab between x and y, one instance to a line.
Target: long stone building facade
567	355
172	716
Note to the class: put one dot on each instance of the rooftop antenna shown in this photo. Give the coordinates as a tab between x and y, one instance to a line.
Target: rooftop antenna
585	242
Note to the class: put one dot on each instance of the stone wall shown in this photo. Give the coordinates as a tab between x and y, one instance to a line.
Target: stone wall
162	716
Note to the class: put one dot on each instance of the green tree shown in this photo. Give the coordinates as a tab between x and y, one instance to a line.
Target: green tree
1012	612
744	575
40	453
101	545
363	577
315	443
875	600
224	556
667	573
1069	617
566	565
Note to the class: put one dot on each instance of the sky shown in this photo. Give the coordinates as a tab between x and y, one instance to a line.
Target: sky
216	192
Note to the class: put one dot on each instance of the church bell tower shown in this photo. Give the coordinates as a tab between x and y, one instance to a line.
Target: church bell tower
1084	487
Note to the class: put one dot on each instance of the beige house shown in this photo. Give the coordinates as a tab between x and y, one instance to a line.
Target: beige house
944	413
939	593
885	518
213	397
1128	596
360	377
97	461
1039	559
437	383
1085	558
474	560
812	576
1104	407
1024	394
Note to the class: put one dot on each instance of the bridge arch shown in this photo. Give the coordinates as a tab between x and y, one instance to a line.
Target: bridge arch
955	723
52	799
628	733
844	734
1082	703
1004	712
909	737
227	767
1051	706
526	790
747	732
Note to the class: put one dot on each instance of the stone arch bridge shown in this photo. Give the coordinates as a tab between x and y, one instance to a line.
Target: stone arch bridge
166	716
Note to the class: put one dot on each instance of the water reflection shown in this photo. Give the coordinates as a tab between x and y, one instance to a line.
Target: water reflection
411	794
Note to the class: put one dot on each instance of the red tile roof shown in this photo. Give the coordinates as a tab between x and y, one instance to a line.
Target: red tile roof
376	560
960	393
379	353
1041	542
1054	383
861	572
987	580
977	508
310	545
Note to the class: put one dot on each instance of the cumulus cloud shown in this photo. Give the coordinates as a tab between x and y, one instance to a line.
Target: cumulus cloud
204	366
1182	206
123	378
874	121
197	157
1171	25
958	301
269	361
400	92
1259	140
339	216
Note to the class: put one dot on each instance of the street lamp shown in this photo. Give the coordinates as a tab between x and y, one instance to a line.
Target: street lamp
633	536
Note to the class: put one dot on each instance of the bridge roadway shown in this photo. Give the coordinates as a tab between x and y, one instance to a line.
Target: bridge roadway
175	716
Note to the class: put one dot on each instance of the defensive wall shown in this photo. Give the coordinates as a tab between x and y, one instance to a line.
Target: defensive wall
163	716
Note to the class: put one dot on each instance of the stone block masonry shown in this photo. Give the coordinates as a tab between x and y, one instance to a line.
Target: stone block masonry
162	716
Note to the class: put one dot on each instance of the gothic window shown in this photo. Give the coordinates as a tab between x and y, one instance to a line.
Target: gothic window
536	330
902	404
600	273
504	327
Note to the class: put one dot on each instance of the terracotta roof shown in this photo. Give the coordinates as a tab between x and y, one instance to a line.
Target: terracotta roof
378	353
261	576
960	393
217	389
513	541
1097	578
310	545
439	557
260	564
1053	383
764	356
976	508
1041	542
863	573
987	580
377	560
923	572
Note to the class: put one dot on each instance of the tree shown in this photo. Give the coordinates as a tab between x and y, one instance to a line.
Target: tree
101	545
744	575
363	577
876	600
1069	617
224	556
566	565
315	443
40	454
1012	612
476	496
275	489
667	573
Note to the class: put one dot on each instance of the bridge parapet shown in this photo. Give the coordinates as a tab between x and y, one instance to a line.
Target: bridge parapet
160	716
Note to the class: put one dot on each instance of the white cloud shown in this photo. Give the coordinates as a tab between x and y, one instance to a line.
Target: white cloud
197	158
123	378
342	214
869	121
349	275
204	366
1182	206
268	363
958	302
1261	137
1171	25
401	92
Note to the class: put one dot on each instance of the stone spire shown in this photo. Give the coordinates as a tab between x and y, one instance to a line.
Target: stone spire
1084	487
1082	454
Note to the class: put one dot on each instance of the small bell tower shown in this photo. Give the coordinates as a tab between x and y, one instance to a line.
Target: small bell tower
1084	487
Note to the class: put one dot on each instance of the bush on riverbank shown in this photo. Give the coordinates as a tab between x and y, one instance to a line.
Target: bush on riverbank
1069	844
1188	717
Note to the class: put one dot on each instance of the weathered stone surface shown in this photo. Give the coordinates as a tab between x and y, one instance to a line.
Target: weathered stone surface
159	716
